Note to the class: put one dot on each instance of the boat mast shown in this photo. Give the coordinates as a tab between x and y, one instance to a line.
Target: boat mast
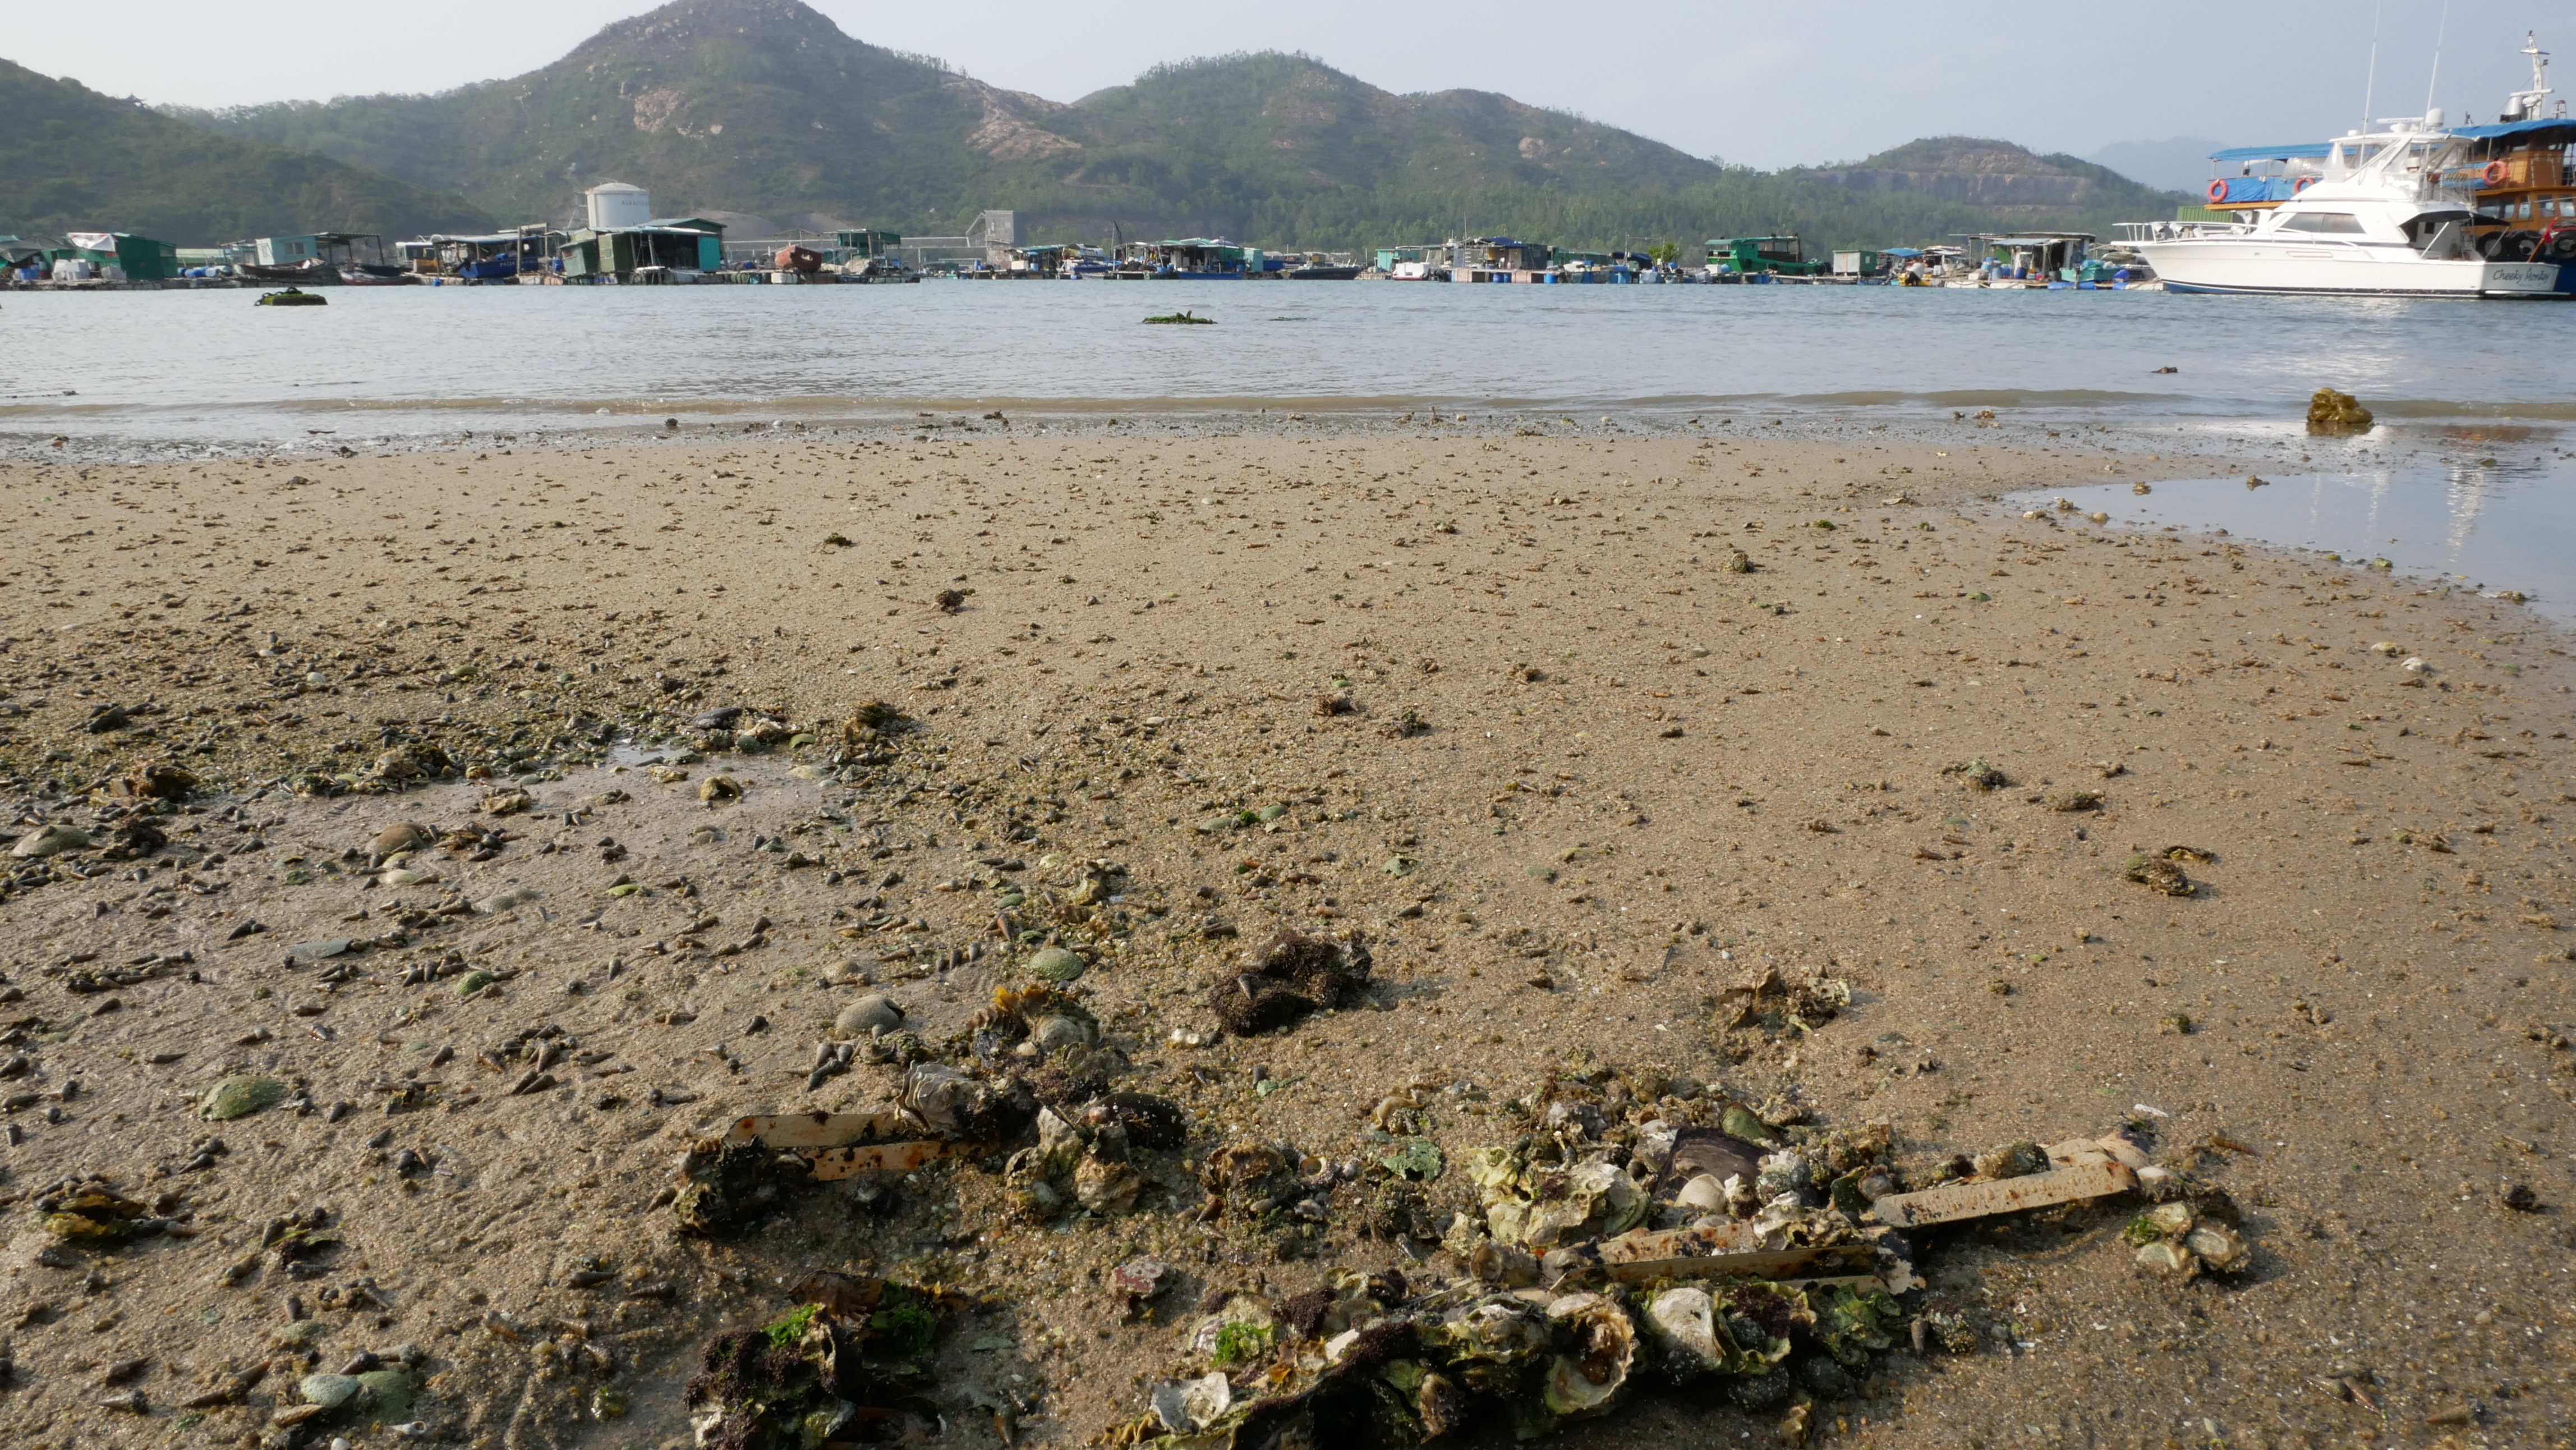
2439	35
2370	87
2527	104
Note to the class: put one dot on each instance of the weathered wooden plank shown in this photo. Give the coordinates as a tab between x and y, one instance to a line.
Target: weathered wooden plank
1953	1201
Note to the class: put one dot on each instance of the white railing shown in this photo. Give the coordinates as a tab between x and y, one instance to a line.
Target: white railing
2177	231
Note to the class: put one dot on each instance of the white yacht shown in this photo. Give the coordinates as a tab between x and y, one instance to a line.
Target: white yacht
2411	208
2383	216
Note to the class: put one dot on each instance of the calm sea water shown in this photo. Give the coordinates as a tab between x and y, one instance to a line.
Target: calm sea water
2484	510
163	374
395	363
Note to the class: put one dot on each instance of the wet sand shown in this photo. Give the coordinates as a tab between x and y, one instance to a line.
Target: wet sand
1638	777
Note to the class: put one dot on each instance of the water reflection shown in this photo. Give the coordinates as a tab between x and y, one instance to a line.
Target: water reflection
2470	517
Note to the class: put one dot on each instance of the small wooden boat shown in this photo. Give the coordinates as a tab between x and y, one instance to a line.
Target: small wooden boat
312	269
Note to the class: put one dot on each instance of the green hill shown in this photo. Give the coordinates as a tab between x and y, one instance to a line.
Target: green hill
765	107
74	160
2006	183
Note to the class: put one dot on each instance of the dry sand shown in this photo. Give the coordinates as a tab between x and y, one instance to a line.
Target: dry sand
1642	777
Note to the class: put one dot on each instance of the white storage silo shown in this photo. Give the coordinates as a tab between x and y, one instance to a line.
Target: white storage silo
615	206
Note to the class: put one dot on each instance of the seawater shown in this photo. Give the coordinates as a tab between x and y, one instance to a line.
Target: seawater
209	367
2490	511
160	375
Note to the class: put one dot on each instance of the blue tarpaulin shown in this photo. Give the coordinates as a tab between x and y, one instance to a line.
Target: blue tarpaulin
2253	188
2518	129
2297	151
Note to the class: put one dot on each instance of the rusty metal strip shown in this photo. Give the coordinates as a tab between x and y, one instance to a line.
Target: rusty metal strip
819	1130
832	1163
2076	1153
1720	1249
1955	1201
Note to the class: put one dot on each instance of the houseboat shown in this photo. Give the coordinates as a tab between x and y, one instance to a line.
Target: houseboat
1500	259
872	256
485	257
1759	259
1189	259
2516	173
656	253
1413	264
2035	259
1314	266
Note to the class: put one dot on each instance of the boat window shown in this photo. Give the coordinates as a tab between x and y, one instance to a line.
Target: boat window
2341	222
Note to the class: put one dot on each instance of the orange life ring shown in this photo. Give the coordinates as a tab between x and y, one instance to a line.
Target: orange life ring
2303	184
2218	190
2495	172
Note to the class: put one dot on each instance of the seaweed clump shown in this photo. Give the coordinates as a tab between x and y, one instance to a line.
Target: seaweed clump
1297	976
2333	414
731	1186
850	1364
93	1213
2158	874
1771	1005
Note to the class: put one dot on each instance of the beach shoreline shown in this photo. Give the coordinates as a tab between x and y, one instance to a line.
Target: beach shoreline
1531	733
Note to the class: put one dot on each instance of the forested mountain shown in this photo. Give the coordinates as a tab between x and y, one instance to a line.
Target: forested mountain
766	107
74	160
2009	184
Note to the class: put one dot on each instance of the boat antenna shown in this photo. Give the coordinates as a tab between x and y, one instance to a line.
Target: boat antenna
2527	104
2438	36
2370	87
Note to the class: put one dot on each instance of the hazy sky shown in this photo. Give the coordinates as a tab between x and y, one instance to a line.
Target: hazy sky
1749	82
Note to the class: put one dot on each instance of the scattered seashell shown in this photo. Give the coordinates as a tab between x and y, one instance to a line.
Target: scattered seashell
1056	964
1704	1192
239	1097
50	840
873	1013
1192	1405
2169	1259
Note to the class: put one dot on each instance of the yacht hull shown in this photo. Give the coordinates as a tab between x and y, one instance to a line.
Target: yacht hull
2263	265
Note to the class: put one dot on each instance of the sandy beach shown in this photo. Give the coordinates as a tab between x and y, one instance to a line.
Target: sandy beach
1575	728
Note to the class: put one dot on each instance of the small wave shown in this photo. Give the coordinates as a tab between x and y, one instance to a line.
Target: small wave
2539	412
2025	398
